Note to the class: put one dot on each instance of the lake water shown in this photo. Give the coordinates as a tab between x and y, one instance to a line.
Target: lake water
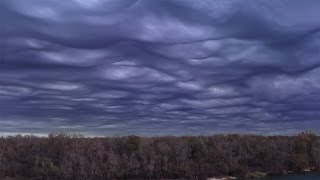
308	176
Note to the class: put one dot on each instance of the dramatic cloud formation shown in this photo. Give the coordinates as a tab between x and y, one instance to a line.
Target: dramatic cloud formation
104	67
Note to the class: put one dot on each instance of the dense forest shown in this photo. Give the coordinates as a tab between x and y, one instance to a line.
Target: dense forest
74	157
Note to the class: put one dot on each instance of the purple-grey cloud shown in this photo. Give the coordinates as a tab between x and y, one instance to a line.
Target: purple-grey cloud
103	67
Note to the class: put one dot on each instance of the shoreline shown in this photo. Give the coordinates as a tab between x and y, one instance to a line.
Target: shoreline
292	174
260	175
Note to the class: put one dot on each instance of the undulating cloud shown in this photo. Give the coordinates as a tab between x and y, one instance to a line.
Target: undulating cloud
104	67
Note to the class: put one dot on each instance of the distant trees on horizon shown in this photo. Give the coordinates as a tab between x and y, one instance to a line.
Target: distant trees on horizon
73	157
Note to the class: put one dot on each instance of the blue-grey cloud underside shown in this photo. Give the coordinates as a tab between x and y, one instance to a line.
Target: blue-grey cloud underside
147	67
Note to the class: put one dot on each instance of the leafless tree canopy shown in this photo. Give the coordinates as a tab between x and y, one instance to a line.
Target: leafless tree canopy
74	157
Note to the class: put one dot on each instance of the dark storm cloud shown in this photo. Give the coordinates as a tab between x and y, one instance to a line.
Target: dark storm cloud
103	67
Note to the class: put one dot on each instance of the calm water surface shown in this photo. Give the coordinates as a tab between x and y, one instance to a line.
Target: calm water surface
308	176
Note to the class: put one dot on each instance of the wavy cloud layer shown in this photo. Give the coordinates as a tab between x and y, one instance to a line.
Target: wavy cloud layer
103	67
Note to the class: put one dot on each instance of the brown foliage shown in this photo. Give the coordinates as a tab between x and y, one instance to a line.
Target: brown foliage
74	157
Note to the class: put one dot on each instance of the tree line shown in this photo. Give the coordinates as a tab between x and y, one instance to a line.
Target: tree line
74	157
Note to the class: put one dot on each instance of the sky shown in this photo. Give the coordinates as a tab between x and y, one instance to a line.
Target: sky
167	67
